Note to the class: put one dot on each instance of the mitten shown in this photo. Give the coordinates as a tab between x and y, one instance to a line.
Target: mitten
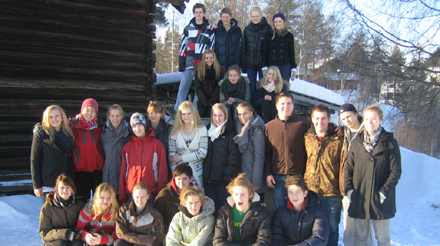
264	70
293	73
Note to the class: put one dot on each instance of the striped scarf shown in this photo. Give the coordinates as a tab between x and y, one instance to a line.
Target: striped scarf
370	141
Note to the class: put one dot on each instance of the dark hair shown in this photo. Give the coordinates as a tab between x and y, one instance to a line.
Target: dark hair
183	169
199	6
284	94
296	180
321	108
226	11
62	179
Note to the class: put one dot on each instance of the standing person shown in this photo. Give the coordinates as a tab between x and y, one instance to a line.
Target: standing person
52	144
254	38
349	115
371	175
285	150
59	214
267	90
242	220
143	160
223	161
197	37
156	121
300	221
168	200
234	89
194	224
207	75
323	147
281	51
96	222
138	223
88	155
114	136
189	141
250	141
228	40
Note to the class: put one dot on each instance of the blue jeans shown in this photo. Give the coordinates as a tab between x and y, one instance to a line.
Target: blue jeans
332	205
218	194
279	193
252	75
185	83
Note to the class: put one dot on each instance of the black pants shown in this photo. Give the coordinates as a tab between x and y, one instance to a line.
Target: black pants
86	181
204	111
122	242
78	242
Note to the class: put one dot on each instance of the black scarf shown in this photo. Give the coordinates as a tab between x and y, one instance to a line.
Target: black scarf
237	90
61	203
210	73
62	140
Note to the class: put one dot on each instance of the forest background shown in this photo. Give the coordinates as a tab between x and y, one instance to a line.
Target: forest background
385	51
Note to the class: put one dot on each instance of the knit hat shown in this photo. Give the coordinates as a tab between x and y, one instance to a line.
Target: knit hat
348	107
280	15
138	118
90	102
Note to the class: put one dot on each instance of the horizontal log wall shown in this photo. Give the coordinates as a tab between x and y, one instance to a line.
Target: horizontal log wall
63	51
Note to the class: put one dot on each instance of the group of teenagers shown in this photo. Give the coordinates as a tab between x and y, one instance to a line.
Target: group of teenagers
220	173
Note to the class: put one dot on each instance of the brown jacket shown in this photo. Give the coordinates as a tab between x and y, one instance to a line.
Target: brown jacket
143	229
323	162
167	203
285	149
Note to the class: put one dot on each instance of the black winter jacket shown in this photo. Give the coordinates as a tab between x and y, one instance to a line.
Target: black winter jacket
254	38
223	161
255	227
304	228
162	132
267	109
228	44
208	89
368	173
280	51
48	160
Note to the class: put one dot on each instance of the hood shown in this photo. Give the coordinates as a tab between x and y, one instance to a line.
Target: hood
234	24
204	25
258	121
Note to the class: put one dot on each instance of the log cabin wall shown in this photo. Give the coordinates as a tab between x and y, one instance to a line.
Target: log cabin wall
61	52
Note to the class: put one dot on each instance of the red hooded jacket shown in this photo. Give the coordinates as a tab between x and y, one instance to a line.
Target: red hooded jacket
143	160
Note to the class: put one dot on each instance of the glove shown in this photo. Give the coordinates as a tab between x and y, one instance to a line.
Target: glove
264	70
349	193
244	75
73	235
293	73
382	197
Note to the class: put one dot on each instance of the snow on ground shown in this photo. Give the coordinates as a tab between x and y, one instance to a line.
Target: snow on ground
416	223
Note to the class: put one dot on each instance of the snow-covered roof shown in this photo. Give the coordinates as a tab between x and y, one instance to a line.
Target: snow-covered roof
315	91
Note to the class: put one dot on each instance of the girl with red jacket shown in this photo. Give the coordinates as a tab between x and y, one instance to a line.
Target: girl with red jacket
143	160
88	156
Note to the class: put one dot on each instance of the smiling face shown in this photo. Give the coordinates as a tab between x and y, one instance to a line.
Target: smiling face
209	59
241	198
270	75
186	115
140	198
255	17
244	114
233	77
218	117
139	130
372	121
296	196
55	119
154	117
284	107
350	119
115	117
198	13
104	200
278	23
193	205
226	19
182	181
320	121
89	113
64	191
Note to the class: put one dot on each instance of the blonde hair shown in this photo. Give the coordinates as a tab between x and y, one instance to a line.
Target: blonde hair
255	9
115	107
201	68
375	108
248	106
45	123
241	180
196	122
191	191
278	80
94	208
156	107
222	107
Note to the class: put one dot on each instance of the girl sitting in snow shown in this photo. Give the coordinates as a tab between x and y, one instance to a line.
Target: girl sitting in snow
242	220
194	224
96	222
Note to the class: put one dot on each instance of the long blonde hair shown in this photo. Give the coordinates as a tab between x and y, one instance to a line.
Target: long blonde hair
201	68
278	80
45	123
94	208
196	122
